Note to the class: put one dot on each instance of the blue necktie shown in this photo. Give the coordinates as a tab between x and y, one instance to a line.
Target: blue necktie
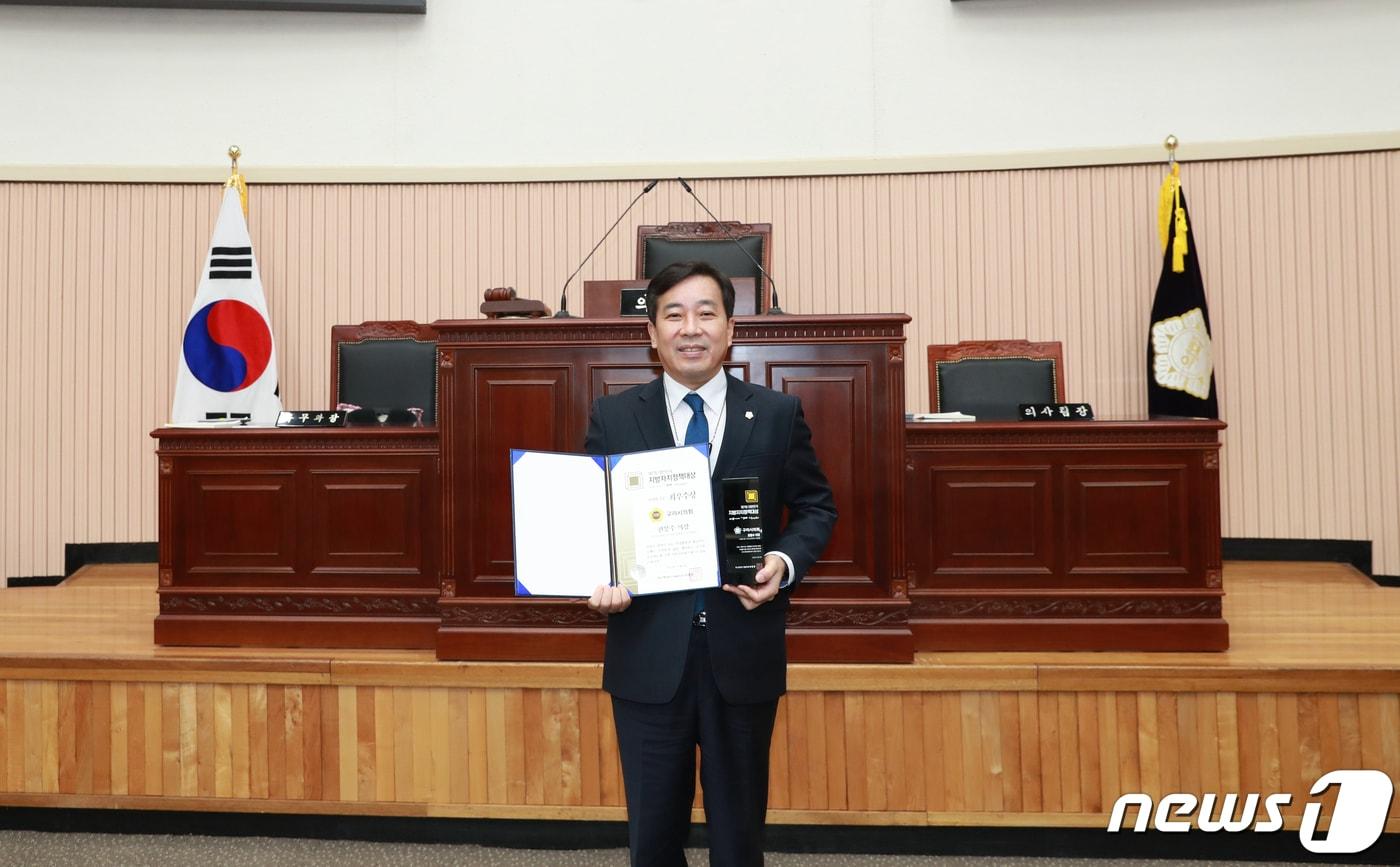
698	431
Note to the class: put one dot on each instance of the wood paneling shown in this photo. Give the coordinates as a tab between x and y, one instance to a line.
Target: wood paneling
1298	253
98	717
1041	756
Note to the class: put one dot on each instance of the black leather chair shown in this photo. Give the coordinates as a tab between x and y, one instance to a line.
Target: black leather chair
659	246
990	379
385	365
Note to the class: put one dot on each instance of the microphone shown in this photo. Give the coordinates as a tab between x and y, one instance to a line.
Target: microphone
773	307
564	293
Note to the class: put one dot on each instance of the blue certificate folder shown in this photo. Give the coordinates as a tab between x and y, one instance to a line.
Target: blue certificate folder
644	520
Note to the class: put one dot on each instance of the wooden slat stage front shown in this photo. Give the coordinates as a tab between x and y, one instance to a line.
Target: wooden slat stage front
92	714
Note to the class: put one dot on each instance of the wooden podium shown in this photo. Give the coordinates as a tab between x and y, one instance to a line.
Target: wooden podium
529	384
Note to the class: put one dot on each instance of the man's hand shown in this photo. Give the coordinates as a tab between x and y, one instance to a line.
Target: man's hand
768	580
610	599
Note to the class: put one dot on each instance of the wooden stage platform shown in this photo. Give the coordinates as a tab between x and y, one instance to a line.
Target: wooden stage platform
92	714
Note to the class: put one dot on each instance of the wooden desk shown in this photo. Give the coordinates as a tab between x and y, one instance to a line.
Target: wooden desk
1065	535
298	537
529	384
1023	536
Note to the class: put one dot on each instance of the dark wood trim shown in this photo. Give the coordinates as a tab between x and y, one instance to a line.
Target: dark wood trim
788	329
406	633
1077	434
512	644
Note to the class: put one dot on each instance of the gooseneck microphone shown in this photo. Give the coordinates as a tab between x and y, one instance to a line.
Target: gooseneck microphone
773	307
564	293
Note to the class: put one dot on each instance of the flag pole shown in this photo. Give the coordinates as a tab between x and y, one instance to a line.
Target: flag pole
1171	217
236	180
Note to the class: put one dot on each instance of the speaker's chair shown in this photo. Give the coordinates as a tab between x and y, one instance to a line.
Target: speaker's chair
385	365
659	246
990	379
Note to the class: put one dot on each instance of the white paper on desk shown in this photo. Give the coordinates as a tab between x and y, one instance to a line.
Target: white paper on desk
559	513
943	416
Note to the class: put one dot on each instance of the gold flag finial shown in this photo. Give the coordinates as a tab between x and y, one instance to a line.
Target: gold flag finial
1171	215
236	180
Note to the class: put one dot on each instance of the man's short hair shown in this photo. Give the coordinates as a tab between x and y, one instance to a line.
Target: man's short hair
668	277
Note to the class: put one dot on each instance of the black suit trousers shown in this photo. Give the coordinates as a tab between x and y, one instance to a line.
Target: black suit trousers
657	747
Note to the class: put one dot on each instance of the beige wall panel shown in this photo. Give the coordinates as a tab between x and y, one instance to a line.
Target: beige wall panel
1298	256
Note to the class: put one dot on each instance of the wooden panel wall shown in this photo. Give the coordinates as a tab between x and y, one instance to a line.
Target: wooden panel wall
1299	256
974	757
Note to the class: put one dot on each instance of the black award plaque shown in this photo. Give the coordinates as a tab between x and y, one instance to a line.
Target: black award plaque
743	531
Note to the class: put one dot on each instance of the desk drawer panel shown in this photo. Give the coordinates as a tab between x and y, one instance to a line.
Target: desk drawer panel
366	520
239	520
1126	519
989	520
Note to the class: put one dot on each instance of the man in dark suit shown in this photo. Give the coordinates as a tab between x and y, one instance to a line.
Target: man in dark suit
707	667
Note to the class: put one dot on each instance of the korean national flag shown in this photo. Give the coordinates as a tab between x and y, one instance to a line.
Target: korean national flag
228	363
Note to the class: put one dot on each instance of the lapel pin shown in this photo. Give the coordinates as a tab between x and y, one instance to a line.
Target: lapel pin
748	414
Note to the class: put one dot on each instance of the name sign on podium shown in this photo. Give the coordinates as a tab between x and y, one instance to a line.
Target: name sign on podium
1056	412
634	302
310	418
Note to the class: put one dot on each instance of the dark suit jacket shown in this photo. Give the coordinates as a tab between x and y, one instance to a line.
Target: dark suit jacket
647	643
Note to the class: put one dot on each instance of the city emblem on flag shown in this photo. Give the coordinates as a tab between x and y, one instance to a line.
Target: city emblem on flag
1180	364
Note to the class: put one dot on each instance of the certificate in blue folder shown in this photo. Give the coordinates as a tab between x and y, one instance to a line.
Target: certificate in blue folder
644	520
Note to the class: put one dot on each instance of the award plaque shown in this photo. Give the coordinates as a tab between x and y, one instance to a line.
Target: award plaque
743	531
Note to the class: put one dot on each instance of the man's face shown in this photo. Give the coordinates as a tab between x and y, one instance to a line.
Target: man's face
691	333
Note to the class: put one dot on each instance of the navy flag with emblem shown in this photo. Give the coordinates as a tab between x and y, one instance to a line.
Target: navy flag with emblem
1180	370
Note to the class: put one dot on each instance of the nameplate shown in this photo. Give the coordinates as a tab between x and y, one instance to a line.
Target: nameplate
633	302
1056	412
317	418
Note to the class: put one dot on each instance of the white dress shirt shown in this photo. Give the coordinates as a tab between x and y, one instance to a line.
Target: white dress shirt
713	394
